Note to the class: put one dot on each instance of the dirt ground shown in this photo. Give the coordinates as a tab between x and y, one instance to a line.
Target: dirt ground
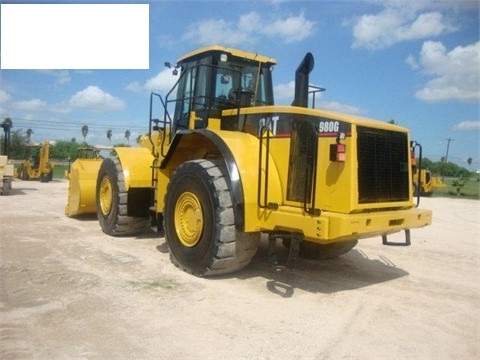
68	291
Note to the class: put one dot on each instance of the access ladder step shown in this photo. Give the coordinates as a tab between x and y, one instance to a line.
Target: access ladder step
391	243
293	254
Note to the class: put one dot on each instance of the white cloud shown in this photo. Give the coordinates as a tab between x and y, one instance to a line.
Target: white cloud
4	96
134	86
250	21
338	107
61	76
284	92
248	29
467	125
456	74
292	29
410	60
162	82
95	99
33	105
218	32
396	24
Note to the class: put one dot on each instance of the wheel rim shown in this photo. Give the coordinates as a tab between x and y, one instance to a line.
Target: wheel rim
106	195
188	219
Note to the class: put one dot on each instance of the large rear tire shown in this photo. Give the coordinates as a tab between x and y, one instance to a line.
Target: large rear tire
112	202
199	221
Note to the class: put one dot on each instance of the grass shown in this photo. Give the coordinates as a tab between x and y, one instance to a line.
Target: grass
471	189
59	171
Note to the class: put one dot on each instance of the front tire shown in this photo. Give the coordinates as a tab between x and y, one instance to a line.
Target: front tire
199	221
112	202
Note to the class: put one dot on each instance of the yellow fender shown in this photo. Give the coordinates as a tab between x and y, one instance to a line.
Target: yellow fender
245	151
136	166
241	154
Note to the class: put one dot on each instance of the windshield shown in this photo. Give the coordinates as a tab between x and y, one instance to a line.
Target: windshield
245	83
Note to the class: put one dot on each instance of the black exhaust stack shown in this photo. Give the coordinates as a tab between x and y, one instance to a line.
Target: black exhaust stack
301	81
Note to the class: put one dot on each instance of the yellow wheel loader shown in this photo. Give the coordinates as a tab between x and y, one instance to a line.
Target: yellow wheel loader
423	180
223	164
37	165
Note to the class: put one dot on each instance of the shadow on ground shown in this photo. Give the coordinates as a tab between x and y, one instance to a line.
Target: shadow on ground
350	271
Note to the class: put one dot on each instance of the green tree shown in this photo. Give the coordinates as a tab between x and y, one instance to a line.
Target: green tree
109	135
84	132
469	162
18	144
444	168
64	150
127	135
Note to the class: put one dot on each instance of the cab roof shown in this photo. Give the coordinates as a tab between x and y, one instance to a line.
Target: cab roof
231	51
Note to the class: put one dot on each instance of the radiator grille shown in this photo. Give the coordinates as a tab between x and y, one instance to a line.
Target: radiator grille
382	165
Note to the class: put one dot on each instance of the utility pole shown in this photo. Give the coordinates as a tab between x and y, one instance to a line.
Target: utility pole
448	147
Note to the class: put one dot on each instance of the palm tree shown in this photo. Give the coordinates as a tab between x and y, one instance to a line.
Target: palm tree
109	135
29	134
127	135
469	162
84	132
6	125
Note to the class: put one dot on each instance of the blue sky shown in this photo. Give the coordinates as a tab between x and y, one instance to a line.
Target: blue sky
417	62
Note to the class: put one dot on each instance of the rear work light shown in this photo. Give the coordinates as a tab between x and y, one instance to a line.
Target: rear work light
337	152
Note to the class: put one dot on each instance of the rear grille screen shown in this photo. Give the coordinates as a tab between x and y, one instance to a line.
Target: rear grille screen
382	165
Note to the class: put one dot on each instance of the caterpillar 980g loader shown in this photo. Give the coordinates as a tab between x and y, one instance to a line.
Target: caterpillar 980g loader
223	164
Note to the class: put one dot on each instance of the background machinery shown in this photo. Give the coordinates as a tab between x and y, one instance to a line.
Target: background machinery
82	174
223	164
37	166
7	168
426	182
6	174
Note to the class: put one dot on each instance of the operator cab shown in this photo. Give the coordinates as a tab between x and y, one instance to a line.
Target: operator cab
215	78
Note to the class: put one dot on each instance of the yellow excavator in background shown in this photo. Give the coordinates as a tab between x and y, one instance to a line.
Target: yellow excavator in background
37	165
222	164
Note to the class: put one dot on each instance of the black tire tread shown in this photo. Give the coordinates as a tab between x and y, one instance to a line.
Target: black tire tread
123	225
233	249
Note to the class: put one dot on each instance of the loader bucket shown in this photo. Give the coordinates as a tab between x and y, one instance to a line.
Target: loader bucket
82	187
